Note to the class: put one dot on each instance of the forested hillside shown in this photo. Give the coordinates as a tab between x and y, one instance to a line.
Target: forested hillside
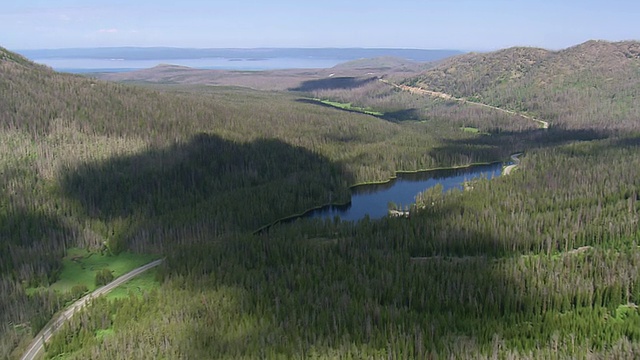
594	84
106	166
536	265
541	263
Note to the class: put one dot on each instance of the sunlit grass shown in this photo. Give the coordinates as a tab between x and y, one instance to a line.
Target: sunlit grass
136	286
79	267
102	333
349	107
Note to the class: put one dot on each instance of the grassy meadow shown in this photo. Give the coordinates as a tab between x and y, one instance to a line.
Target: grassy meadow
349	107
80	266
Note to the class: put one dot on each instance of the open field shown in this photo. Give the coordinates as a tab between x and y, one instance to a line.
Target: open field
79	267
137	286
348	107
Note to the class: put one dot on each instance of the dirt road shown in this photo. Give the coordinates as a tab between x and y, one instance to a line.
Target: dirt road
509	168
37	345
417	90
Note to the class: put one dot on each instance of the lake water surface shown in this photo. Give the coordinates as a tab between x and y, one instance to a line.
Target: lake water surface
81	65
373	200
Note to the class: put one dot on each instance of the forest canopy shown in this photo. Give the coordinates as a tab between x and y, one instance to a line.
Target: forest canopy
540	263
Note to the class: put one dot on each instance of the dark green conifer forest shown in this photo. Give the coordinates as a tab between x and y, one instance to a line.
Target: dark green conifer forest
540	263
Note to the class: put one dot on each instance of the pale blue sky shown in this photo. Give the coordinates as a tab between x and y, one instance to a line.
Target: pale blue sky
426	24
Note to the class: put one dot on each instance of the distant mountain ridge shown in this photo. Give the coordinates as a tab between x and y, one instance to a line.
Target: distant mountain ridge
516	62
383	63
268	79
151	53
596	82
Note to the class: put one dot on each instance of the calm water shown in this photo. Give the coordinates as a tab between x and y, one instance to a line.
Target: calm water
373	200
76	65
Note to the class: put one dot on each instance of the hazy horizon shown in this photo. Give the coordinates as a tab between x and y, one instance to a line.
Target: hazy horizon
127	58
464	25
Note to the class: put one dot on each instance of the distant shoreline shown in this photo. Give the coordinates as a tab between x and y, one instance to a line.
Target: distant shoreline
87	65
151	53
119	59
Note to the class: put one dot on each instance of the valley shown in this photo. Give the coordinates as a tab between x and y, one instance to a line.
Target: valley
185	164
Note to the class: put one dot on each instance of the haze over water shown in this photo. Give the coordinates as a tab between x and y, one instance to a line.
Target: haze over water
85	65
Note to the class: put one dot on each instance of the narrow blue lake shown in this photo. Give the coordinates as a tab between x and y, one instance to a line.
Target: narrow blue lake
373	200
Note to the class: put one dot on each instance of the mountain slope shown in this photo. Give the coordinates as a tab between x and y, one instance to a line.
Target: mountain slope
7	57
384	63
594	84
268	79
117	167
110	166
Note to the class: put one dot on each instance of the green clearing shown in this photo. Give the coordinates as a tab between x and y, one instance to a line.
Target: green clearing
349	107
103	333
79	267
136	286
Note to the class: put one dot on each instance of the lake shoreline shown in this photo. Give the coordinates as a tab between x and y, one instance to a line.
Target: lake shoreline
382	182
408	172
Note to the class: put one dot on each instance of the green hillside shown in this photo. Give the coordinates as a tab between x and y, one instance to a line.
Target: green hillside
111	167
541	263
591	85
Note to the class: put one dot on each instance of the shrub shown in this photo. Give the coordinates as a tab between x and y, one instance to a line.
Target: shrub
103	277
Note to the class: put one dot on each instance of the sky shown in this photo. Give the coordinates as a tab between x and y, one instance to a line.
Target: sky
422	24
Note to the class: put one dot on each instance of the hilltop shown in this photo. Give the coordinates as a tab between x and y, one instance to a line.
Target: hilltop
593	84
388	63
7	57
268	79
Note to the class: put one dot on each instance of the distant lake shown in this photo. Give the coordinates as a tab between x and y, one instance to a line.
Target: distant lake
87	65
373	200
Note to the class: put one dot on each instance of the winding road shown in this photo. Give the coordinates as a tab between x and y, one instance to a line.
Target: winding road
418	90
509	168
37	345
